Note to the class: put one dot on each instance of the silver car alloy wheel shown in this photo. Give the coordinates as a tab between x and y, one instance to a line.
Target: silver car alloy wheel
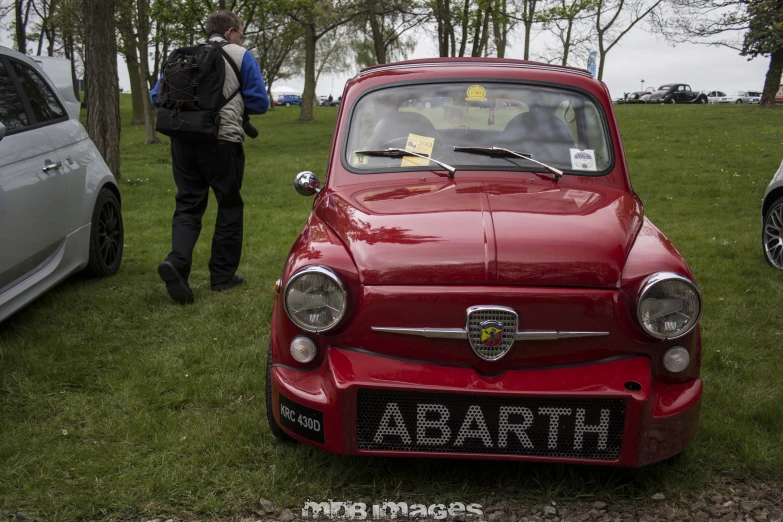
773	235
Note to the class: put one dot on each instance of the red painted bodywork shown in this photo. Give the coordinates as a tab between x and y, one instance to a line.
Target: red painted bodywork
416	249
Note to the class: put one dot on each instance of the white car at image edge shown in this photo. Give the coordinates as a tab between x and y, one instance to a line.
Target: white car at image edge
59	203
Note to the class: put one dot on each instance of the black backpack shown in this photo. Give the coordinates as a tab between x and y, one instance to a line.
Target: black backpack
190	94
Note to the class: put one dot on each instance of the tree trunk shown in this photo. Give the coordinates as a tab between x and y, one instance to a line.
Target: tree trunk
41	37
100	74
129	50
306	110
773	79
500	28
68	45
484	35
465	21
137	103
450	28
528	28
601	57
21	16
443	35
567	43
377	33
478	24
143	26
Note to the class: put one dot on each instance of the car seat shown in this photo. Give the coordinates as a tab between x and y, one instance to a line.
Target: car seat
541	133
399	125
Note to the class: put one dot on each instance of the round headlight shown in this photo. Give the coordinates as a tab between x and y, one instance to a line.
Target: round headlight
315	299
669	306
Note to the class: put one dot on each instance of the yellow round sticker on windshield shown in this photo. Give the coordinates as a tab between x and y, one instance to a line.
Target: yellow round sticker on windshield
476	93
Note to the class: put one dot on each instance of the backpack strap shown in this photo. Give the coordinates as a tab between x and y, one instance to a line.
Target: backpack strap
236	72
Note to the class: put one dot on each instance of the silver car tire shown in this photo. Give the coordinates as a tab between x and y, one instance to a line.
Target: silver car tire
107	235
672	101
772	235
739	102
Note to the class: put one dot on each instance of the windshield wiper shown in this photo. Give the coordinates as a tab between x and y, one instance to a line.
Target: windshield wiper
499	151
396	153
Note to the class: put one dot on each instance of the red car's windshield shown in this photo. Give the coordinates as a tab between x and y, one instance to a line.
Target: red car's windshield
560	127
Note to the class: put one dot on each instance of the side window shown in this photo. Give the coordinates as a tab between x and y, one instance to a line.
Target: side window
44	102
12	113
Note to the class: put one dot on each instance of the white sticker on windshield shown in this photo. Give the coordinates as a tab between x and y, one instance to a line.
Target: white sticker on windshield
583	159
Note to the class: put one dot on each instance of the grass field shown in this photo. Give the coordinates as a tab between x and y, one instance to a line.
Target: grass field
115	402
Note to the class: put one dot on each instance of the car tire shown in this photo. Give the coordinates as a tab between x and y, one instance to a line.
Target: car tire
702	100
270	417
287	104
739	102
672	101
773	230
107	236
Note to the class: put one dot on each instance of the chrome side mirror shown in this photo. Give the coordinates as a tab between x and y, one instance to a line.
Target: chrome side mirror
2	130
306	183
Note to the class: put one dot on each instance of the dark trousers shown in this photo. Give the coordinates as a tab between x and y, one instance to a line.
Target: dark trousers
197	167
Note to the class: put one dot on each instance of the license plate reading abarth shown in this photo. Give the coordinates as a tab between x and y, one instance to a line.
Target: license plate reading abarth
551	427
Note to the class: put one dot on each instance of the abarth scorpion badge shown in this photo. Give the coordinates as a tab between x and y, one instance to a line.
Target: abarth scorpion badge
491	333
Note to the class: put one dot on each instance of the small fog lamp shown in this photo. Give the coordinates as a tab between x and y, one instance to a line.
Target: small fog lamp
676	359
303	349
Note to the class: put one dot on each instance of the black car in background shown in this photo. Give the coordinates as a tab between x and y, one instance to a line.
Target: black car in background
677	93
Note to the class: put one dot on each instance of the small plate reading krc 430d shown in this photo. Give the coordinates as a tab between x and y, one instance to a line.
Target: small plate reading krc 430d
589	428
302	420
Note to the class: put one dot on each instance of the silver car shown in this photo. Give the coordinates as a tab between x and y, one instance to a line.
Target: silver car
772	221
59	203
741	97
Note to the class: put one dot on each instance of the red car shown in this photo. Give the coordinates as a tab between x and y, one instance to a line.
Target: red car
477	279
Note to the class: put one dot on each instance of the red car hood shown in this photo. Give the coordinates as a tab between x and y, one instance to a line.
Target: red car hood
476	233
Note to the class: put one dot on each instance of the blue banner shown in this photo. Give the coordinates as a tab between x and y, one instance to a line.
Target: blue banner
591	67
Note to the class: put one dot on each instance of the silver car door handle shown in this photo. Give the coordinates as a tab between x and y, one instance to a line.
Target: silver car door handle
52	166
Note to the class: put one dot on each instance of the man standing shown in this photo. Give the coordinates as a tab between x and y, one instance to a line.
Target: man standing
198	166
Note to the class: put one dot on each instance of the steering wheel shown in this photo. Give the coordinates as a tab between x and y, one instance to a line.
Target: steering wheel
439	150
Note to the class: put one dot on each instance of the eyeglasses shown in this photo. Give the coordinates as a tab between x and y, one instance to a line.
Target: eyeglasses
241	36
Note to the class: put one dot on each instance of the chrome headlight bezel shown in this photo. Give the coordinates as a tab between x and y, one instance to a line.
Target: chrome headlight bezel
651	282
327	272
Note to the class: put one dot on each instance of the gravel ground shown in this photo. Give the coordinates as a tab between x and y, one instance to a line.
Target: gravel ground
728	500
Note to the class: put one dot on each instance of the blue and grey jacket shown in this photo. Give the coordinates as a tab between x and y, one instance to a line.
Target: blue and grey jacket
252	97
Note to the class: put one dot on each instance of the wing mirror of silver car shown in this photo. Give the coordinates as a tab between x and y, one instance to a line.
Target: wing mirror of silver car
2	130
306	183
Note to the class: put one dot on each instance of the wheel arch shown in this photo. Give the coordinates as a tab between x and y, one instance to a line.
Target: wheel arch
770	199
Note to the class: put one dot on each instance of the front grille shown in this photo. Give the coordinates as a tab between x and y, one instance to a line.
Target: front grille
509	320
588	428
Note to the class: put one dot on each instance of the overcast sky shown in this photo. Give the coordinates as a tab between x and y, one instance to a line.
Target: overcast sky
639	56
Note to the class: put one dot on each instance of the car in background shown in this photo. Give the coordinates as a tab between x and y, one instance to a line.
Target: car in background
677	93
289	99
716	96
480	281
334	103
748	97
742	97
772	221
638	97
59	203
